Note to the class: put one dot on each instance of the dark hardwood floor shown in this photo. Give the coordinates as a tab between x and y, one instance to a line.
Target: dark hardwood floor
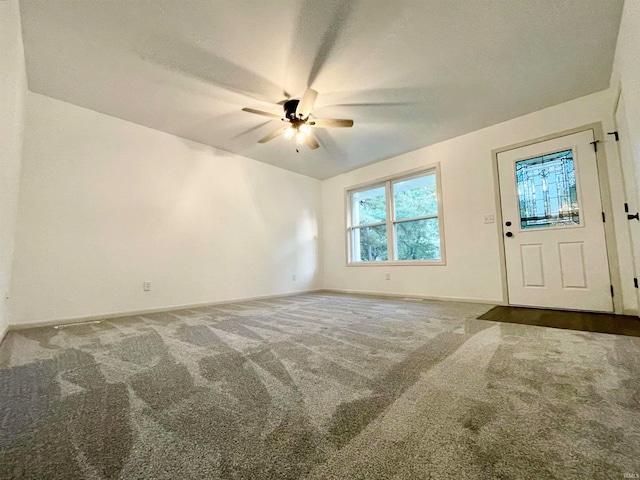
584	321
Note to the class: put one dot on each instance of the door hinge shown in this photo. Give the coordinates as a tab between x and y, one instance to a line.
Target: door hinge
629	216
635	282
615	134
611	290
603	217
595	145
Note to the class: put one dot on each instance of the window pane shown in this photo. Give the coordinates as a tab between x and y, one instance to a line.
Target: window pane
418	240
547	193
369	206
416	197
370	244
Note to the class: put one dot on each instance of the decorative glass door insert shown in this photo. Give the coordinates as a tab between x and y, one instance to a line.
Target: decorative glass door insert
547	191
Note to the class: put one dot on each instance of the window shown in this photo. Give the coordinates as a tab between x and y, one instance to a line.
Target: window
396	220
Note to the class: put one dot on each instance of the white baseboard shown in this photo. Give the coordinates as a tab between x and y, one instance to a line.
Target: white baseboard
414	297
3	332
444	299
105	316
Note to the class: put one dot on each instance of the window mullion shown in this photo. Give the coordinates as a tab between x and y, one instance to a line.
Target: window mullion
349	217
391	215
414	219
377	224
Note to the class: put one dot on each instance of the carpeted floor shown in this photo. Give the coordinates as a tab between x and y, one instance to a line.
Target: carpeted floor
318	386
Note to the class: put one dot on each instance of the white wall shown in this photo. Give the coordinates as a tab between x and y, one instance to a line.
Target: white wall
626	71
13	86
626	78
472	247
106	205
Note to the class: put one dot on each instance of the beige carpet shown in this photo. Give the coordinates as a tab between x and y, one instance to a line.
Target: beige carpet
318	386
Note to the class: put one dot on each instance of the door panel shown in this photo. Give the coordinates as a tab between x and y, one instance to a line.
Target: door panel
554	243
532	272
574	274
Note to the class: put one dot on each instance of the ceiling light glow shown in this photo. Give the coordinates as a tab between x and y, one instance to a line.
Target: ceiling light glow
305	129
288	133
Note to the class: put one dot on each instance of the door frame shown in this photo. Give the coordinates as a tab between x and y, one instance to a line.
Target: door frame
605	198
633	251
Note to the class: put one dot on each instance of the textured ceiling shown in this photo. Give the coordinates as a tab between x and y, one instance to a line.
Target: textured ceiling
410	73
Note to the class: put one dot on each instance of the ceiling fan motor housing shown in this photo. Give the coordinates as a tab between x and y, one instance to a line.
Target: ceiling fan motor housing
290	107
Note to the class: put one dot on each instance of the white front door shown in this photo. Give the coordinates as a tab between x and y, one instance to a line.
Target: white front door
554	243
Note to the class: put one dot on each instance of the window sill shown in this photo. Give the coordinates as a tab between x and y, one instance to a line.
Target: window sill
406	263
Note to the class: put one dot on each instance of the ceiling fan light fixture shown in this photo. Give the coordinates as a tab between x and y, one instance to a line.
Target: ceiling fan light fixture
300	137
289	132
305	129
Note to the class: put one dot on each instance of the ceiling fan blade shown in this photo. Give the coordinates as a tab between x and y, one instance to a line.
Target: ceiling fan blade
306	103
331	123
272	135
260	112
312	142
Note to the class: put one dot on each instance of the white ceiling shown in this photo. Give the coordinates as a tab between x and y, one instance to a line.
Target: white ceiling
410	73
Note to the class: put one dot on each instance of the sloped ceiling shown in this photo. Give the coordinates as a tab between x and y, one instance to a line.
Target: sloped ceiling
410	73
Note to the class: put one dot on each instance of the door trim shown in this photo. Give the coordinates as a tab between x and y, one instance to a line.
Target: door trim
628	233
605	198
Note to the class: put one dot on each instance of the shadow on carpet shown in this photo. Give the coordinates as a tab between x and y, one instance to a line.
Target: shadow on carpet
318	387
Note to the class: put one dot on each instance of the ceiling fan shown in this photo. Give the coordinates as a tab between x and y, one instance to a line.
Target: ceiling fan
297	114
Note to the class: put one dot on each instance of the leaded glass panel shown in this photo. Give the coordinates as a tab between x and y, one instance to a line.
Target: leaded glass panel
547	193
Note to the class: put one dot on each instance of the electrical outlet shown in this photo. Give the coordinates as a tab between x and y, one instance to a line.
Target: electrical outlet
146	286
293	277
387	276
489	219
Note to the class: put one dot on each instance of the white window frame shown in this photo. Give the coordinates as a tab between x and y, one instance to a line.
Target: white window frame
391	222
